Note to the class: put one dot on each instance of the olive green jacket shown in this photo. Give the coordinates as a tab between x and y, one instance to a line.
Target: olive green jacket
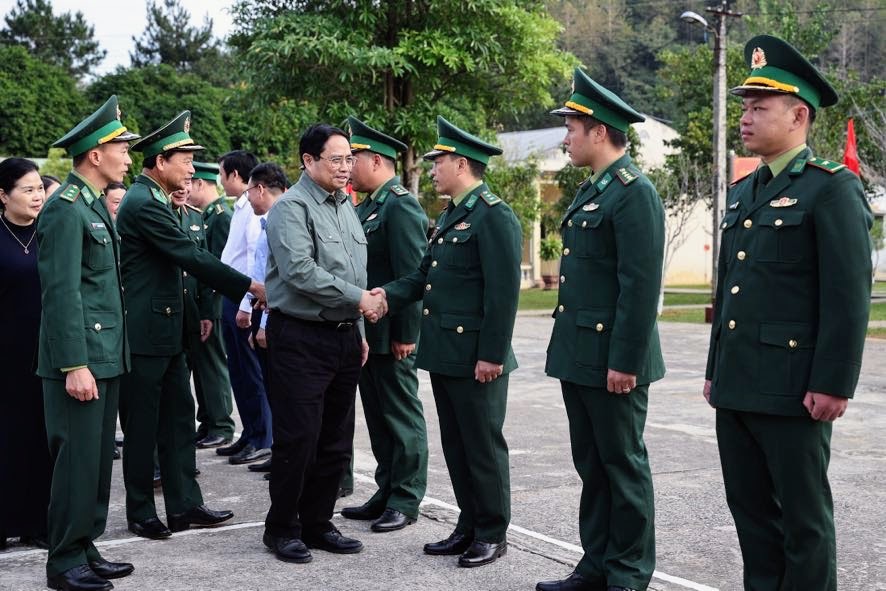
610	281
469	280
154	251
396	228
83	321
217	222
793	290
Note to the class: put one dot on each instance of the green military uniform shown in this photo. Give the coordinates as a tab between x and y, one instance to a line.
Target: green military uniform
156	404
610	280
469	281
212	384
83	325
395	227
792	303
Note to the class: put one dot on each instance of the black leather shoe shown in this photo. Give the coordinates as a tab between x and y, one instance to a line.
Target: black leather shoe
151	528
574	582
345	492
201	516
111	570
249	454
261	466
617	588
456	543
333	541
481	553
288	549
267	475
211	441
79	578
363	512
391	520
234	448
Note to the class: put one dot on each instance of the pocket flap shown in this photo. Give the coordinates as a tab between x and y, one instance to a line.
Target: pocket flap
326	236
456	321
729	220
166	306
781	219
101	236
790	335
599	319
458	237
587	222
98	321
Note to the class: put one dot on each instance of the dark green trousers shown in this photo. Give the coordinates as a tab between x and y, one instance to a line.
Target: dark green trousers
775	469
616	516
471	417
157	410
81	442
212	385
397	432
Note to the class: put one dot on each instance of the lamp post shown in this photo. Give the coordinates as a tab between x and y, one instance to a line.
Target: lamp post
720	12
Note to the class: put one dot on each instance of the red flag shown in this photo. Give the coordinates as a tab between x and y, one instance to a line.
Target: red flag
850	155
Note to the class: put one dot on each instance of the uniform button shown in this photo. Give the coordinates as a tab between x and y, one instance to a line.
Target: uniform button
184	273
599	327
168	311
748	223
562	278
741	255
455	238
460	329
569	223
792	344
723	225
428	287
105	240
778	222
731	324
98	326
584	224
565	252
186	290
735	289
439	241
425	311
561	307
433	263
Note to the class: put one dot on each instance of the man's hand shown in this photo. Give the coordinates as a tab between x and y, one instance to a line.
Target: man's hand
205	330
620	383
243	319
373	304
258	290
80	384
402	350
261	338
485	372
364	352
706	391
824	407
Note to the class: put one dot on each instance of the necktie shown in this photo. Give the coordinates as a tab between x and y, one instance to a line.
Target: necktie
764	175
263	222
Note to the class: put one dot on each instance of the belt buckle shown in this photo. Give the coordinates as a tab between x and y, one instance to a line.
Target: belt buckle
342	326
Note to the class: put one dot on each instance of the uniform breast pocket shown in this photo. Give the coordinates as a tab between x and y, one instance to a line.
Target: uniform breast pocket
782	237
101	336
589	235
594	327
786	350
459	250
459	337
100	250
360	248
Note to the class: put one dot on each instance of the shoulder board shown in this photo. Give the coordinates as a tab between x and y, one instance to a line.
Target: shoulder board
70	194
219	208
626	176
399	190
827	165
489	198
159	196
192	208
738	180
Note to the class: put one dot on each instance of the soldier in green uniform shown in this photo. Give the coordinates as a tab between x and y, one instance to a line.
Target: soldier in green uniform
791	314
604	348
156	405
83	348
469	282
212	384
395	227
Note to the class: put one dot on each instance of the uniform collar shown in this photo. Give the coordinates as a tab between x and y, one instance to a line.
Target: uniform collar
384	186
604	177
307	184
93	193
781	162
460	197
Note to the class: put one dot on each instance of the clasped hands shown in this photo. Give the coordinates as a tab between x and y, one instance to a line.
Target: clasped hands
373	304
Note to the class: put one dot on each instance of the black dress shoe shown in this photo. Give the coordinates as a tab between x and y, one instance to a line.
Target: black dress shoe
111	570
456	543
201	516
261	466
481	553
365	512
287	549
249	454
333	541
267	475
617	588
38	541
79	578
211	441
391	520
574	582
345	492
229	450
151	528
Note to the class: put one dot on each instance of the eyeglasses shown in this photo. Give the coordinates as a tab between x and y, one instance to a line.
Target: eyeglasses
251	187
337	160
29	191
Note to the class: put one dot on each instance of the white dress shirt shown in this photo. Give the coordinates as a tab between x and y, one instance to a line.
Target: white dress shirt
239	251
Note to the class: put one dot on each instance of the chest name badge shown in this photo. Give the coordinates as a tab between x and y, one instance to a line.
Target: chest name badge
98	226
462	226
372	217
783	202
590	207
195	228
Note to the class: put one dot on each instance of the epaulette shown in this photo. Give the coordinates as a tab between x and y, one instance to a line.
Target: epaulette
70	194
626	176
490	199
399	190
827	165
738	180
192	208
219	208
159	196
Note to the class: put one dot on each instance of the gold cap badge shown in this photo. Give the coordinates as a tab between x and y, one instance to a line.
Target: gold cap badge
187	126
758	58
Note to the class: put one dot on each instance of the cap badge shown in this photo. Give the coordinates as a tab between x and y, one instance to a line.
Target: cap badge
783	202
758	58
119	114
187	126
462	226
590	207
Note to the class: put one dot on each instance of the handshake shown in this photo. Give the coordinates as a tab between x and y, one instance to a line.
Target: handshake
374	304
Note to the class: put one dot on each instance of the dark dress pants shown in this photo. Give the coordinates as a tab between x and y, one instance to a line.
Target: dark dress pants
314	370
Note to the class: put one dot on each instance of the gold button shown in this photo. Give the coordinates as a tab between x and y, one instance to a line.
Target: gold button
428	287
105	240
748	223
98	326
731	324
778	222
455	238
735	289
460	329
425	311
792	344
433	263
741	255
439	241
569	223
561	307
562	278
584	224
599	327
723	225
565	252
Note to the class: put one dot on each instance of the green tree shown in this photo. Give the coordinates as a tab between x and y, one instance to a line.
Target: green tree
64	40
39	102
57	163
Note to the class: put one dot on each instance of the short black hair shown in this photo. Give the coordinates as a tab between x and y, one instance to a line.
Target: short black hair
151	161
618	138
315	137
269	175
48	179
79	159
114	185
478	169
241	161
12	169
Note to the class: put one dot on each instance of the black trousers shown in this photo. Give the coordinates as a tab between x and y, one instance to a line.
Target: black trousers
314	370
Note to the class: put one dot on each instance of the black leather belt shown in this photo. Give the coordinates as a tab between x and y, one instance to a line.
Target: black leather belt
340	326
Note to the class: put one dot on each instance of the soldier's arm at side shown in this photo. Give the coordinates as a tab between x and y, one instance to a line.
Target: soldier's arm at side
407	227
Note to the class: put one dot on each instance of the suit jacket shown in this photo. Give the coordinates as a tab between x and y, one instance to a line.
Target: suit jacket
154	251
469	281
610	280
395	227
83	320
793	291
